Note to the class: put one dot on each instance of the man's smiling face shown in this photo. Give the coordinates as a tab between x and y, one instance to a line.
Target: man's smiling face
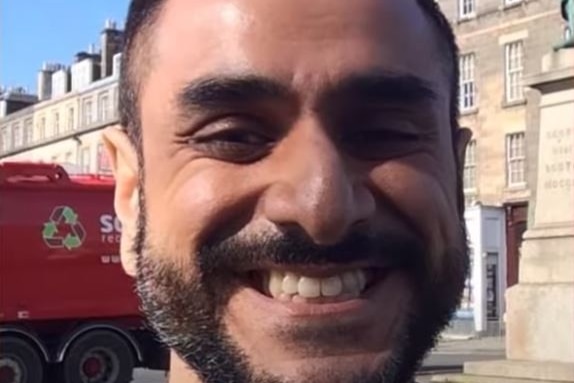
298	190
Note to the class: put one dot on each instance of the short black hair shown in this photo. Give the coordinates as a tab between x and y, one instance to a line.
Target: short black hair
140	18
143	13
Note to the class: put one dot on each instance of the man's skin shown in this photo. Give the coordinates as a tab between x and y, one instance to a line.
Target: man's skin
322	118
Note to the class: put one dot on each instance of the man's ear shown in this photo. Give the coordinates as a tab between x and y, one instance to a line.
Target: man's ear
462	138
124	163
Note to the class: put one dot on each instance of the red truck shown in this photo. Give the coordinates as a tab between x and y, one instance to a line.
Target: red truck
68	312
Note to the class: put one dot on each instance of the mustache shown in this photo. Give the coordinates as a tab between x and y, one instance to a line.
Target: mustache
295	247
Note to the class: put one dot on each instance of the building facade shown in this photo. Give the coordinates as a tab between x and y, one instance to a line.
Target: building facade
501	43
65	130
73	105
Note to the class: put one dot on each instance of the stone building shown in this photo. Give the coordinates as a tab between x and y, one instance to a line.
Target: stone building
73	104
501	43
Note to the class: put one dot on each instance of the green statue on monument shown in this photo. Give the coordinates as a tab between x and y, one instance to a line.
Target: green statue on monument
567	8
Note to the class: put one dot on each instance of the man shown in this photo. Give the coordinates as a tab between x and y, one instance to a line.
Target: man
288	182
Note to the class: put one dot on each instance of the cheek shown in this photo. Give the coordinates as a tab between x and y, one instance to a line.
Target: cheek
422	198
194	205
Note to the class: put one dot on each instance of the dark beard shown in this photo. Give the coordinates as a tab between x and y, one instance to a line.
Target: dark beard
186	310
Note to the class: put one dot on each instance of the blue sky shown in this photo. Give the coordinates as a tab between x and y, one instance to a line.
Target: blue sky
34	31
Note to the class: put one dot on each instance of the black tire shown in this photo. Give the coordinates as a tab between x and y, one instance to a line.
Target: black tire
108	349
19	361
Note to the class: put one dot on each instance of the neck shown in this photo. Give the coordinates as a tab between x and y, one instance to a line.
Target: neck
179	372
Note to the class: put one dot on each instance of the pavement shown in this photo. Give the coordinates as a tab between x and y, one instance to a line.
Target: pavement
145	376
448	357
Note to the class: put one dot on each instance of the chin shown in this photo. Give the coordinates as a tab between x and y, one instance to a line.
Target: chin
352	368
348	341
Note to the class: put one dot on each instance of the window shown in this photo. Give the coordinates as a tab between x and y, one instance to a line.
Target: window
28	131
71	120
515	159
18	136
4	140
513	71
42	129
68	158
87	112
114	100
104	106
469	176
467	87
85	160
56	123
466	8
103	161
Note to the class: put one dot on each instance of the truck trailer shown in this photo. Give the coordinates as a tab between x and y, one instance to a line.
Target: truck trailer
68	311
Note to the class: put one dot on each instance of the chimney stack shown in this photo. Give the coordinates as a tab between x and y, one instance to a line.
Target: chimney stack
45	80
111	43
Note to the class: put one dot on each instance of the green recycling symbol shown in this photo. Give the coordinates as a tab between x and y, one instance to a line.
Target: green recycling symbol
63	229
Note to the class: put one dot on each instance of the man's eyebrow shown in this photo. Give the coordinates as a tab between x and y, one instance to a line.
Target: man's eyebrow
377	87
221	91
384	87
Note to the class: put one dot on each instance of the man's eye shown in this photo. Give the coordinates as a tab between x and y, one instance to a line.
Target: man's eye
233	144
373	144
236	137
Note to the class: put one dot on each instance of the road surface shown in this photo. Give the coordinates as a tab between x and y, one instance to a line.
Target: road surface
145	376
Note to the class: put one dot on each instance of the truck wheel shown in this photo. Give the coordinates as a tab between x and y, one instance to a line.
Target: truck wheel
99	357
19	362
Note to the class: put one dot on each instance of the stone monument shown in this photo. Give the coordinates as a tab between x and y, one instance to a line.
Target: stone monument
540	308
567	10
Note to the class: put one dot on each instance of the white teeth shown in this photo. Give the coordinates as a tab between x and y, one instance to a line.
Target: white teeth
309	287
276	283
290	283
331	287
288	286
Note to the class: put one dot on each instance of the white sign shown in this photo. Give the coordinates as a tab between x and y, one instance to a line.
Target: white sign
110	228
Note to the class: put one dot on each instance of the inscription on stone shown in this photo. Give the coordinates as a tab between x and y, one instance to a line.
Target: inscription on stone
555	189
559	170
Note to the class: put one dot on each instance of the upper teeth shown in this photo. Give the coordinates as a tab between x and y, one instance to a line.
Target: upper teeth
282	284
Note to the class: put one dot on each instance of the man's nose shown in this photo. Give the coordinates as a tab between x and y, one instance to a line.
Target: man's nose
316	190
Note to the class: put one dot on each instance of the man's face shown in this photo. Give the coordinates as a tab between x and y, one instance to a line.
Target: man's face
298	189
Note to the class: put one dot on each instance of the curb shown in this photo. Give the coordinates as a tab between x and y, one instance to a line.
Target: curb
439	369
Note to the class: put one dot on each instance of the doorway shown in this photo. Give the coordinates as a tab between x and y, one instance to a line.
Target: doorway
516	224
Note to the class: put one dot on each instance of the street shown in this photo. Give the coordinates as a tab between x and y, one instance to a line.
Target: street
449	356
144	376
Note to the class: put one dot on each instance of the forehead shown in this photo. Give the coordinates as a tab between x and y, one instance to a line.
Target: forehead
303	43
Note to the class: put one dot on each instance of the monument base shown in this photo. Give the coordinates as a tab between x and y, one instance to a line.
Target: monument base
540	345
540	309
539	318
